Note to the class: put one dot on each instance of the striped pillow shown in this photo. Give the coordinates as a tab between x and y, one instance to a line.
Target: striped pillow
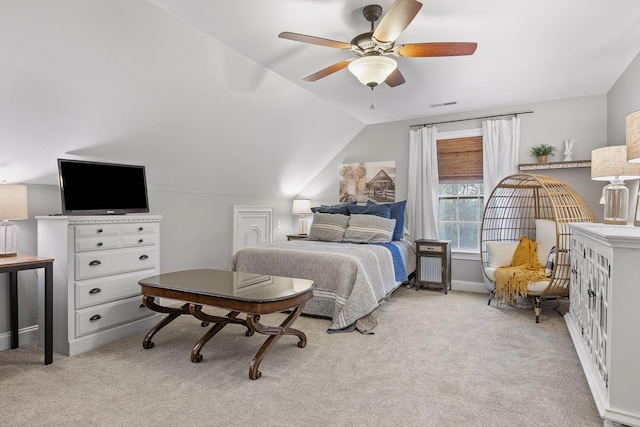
328	227
369	229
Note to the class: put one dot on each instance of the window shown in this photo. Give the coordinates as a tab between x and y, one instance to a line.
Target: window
461	195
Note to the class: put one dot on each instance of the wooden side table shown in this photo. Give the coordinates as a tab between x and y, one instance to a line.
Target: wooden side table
21	262
297	237
433	263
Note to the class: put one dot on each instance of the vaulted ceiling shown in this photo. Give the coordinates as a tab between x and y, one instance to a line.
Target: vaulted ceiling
207	96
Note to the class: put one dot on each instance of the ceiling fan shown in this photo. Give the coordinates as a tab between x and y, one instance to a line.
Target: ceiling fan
371	65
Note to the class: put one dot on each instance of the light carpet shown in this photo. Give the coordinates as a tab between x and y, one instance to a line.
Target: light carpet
434	360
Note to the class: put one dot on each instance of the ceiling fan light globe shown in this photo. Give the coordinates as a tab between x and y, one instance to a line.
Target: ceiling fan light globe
372	70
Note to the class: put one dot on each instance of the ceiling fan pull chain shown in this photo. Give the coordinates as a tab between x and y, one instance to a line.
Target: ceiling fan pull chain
372	107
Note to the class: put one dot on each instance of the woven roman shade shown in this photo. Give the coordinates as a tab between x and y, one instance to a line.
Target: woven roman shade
460	160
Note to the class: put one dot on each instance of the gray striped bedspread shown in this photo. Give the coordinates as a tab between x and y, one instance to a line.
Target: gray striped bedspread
351	279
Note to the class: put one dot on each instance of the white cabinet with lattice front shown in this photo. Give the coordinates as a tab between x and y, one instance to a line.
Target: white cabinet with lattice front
603	317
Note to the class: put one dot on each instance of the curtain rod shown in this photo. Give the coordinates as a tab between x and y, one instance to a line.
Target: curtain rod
476	118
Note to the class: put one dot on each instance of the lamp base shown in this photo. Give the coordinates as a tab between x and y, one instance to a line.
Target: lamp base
9	239
302	226
616	203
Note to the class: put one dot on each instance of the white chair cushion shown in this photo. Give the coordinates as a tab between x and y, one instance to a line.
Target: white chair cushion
501	253
531	286
545	239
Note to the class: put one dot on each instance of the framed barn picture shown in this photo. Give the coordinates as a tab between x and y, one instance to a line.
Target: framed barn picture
368	181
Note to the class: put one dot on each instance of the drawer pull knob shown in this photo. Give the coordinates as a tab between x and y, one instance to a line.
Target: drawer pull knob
95	262
99	244
141	240
95	291
99	230
95	317
140	228
144	257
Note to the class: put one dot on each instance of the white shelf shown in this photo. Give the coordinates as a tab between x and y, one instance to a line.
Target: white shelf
555	165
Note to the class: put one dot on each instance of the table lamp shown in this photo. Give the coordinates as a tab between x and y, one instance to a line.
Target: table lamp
302	207
13	206
610	164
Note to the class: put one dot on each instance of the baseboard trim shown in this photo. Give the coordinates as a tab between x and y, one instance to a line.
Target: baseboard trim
25	336
463	285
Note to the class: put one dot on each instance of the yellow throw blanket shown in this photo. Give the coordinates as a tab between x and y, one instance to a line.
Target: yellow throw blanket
512	281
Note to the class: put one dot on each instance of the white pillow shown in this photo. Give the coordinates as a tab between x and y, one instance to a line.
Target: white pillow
545	238
501	253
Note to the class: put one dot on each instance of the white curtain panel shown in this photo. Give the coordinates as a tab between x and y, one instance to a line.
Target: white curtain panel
500	151
422	197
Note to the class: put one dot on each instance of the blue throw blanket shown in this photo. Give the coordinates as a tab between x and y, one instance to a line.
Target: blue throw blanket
398	263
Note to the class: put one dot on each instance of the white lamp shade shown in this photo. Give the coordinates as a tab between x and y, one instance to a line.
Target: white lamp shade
633	137
610	163
372	70
13	201
301	207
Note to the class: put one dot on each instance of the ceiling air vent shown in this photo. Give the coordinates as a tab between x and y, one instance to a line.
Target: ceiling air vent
443	104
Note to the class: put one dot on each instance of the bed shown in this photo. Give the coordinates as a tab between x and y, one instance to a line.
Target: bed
356	260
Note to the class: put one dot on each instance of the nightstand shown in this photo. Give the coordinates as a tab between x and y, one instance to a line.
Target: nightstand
297	237
433	263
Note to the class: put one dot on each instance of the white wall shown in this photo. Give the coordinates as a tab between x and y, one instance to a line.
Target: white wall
622	100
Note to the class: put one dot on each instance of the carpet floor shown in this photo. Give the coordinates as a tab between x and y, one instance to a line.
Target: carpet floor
433	360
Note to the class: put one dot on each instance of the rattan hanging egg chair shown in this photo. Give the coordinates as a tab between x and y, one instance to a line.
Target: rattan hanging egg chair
538	207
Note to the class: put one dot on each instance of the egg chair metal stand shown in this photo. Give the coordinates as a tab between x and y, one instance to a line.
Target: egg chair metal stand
511	211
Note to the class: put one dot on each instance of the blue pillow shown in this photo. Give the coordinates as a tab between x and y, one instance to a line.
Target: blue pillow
333	209
397	213
383	211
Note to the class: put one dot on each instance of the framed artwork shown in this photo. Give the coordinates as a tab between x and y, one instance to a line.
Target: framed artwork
368	181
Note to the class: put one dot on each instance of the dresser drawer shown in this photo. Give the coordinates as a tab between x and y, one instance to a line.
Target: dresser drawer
84	244
139	229
98	291
97	230
107	315
96	264
138	240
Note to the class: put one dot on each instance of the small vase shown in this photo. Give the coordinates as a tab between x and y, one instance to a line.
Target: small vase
542	159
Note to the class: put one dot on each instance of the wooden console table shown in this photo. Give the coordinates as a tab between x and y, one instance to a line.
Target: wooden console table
21	262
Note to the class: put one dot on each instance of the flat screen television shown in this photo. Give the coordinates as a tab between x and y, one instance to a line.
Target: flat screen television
93	188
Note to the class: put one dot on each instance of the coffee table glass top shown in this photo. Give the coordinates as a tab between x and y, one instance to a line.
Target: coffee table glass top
231	284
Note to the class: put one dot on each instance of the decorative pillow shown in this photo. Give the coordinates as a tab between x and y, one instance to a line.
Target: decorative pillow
501	253
369	229
333	209
551	260
328	227
383	211
397	213
545	238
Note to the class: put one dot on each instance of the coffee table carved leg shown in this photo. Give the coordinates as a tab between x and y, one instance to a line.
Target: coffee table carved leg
219	322
172	312
275	334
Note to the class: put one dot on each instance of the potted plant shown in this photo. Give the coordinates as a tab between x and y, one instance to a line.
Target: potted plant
541	151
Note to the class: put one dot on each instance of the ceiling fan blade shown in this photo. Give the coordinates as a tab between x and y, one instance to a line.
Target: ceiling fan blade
327	71
396	20
314	40
435	49
395	78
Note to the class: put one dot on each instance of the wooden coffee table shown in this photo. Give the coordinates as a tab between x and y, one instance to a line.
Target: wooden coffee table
253	294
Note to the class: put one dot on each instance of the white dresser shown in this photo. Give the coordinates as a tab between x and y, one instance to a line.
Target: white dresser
604	315
98	261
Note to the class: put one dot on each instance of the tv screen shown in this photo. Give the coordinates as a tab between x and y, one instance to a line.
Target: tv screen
92	188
